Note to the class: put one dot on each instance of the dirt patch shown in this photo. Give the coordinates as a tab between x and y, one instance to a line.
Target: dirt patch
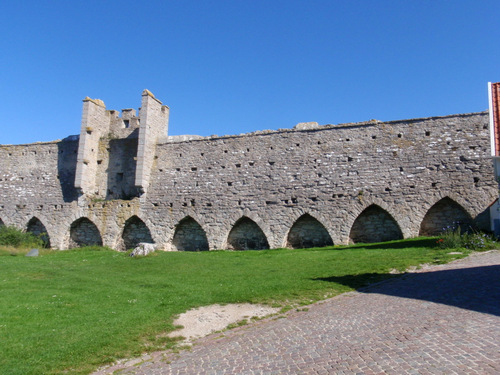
205	320
198	323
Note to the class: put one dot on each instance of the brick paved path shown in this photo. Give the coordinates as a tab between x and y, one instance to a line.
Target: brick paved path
440	320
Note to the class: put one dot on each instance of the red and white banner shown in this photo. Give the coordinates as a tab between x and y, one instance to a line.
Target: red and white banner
494	97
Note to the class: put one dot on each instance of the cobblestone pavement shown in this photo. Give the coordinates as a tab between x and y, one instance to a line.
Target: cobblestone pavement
439	320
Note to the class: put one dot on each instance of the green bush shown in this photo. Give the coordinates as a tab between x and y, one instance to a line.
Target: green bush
12	236
454	237
479	241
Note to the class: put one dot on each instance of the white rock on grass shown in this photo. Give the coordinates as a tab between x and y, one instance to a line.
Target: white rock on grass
32	253
143	249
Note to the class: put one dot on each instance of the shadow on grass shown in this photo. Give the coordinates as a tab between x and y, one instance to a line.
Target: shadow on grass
475	288
401	244
419	242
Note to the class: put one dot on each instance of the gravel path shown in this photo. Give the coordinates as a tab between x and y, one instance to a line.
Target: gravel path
438	320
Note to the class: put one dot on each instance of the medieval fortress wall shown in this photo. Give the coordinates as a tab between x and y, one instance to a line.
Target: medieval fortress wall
124	181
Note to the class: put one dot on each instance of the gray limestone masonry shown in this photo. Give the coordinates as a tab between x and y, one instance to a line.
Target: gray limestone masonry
124	181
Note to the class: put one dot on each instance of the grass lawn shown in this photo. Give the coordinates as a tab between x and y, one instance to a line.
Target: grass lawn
71	311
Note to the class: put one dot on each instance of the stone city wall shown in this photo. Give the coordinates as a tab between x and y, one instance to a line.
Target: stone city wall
307	186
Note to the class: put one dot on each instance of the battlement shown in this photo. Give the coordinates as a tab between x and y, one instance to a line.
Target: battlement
123	124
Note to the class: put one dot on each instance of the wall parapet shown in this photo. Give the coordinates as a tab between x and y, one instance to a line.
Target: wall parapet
362	124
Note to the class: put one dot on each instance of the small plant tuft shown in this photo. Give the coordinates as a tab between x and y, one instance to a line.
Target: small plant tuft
239	323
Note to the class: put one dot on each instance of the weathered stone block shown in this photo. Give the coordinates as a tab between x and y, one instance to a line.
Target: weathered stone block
143	249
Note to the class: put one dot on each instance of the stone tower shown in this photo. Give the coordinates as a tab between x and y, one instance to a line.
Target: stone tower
153	124
101	171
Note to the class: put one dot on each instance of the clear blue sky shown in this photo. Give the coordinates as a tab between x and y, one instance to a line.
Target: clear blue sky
230	67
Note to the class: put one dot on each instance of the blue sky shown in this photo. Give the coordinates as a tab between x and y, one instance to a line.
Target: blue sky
230	67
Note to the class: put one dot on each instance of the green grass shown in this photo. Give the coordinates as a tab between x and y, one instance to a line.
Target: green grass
71	311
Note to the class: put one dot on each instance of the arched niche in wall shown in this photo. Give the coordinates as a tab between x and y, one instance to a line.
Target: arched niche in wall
308	232
446	213
36	227
189	236
374	224
84	232
246	235
134	232
1	223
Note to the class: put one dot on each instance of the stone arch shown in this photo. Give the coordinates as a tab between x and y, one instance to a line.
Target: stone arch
403	216
308	232
134	232
189	236
246	235
374	224
443	214
36	227
84	232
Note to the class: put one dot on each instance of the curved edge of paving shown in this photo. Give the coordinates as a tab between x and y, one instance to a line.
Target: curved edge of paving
427	307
